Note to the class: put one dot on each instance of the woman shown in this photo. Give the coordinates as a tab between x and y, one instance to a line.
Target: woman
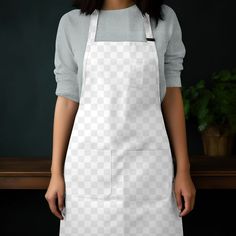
112	169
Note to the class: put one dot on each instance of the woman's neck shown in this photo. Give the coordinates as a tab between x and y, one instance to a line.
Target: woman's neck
116	4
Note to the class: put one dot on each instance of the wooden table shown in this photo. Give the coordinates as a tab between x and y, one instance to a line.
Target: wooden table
34	173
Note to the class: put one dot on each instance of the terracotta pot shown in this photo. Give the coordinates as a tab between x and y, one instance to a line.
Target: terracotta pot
217	141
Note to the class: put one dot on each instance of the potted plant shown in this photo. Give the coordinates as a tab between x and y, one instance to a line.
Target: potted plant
214	108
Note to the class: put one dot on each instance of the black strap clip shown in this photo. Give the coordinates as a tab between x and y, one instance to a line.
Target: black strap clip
150	39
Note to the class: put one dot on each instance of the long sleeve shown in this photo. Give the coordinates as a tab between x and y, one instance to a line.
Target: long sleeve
65	66
175	53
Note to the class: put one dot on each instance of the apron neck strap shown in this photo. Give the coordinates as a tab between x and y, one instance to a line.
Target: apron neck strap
147	26
94	20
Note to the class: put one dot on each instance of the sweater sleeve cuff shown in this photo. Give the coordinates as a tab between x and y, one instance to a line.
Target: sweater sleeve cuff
173	80
67	89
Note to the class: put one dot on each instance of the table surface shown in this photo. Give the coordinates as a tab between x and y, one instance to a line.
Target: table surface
34	173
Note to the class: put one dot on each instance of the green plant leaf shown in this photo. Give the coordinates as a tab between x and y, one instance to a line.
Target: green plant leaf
214	105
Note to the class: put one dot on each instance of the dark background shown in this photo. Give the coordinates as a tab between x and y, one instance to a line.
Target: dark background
27	100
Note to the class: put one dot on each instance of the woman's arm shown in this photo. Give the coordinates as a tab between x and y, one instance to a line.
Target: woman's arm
173	113
67	91
65	111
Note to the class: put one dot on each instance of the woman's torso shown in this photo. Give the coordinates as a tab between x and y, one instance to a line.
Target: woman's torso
115	25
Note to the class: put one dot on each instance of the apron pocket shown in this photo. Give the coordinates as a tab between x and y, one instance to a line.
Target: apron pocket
88	174
148	175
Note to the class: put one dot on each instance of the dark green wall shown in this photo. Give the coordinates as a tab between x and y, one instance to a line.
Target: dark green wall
27	41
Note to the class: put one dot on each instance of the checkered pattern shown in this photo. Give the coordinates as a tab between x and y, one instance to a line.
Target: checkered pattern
89	174
118	169
119	106
119	218
153	218
147	175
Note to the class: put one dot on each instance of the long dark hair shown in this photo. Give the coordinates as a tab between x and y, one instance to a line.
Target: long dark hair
152	7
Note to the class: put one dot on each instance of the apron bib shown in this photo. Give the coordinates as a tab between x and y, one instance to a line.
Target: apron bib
118	169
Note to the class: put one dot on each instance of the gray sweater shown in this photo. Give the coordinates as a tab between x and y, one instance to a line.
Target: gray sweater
115	25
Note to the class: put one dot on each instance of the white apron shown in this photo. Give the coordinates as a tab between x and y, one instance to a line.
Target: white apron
118	169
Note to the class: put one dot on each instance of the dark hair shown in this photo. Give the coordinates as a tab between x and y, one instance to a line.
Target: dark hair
152	7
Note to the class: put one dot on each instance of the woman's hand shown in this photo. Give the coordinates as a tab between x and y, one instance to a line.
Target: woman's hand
55	195
183	186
